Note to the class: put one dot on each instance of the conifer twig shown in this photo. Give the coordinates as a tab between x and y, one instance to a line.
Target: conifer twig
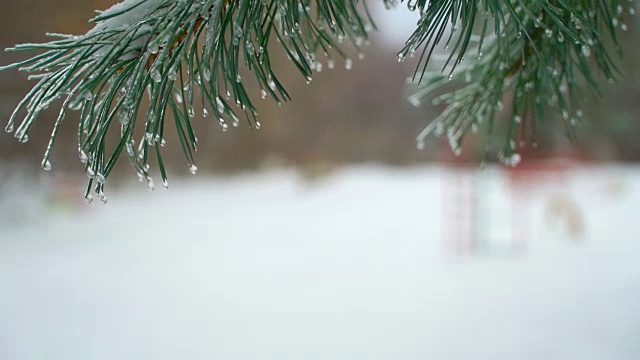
168	49
183	56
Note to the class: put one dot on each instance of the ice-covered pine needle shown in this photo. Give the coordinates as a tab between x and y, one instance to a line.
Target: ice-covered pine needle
522	60
181	55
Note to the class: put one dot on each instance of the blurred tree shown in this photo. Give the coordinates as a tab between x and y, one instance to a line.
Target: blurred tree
535	55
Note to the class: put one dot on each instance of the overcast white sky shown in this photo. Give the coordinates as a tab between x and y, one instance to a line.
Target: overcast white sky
395	25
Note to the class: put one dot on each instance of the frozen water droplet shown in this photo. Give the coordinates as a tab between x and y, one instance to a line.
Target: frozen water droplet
510	160
89	198
548	33
172	74
130	150
24	138
100	178
165	183
150	139
263	94
414	100
9	128
220	105
258	125
515	159
83	156
249	48
153	47
206	74
193	169
46	165
420	145
123	117
156	76
348	64
331	64
578	24
586	51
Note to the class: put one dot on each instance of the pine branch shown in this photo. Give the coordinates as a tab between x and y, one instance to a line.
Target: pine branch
546	54
168	49
145	59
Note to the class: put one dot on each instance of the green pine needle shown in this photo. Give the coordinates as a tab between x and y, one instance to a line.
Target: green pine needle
146	58
541	56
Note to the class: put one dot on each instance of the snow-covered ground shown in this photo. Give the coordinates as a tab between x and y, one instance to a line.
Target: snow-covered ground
352	266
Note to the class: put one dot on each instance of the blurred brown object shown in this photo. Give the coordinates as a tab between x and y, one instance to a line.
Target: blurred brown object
561	208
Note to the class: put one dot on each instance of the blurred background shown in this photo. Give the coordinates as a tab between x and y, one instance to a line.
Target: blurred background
326	234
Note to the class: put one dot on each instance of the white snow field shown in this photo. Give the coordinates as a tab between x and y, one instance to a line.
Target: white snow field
352	266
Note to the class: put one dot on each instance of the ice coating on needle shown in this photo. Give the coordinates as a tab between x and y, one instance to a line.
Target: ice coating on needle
125	14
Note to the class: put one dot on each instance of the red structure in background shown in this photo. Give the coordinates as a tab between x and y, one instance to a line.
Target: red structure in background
462	196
